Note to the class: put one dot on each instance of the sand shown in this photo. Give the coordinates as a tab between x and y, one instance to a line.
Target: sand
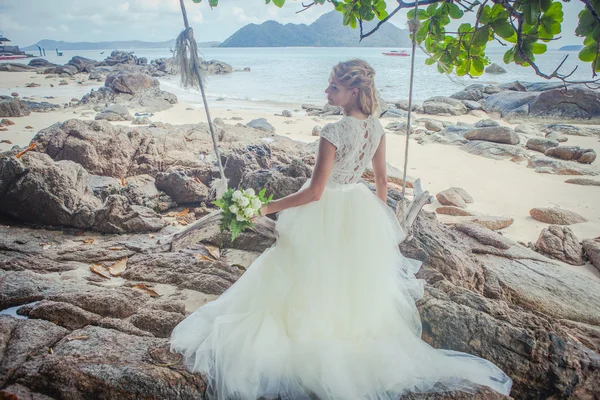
498	187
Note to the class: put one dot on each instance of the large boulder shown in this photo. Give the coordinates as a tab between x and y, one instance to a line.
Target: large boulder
556	216
38	190
215	67
495	69
561	243
116	112
10	107
444	106
83	64
540	144
135	90
591	247
41	63
496	134
497	151
182	188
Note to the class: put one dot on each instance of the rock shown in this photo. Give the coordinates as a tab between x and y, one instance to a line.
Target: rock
6	122
141	121
403	105
20	392
556	216
185	270
15	67
486	221
499	134
454	196
556	137
182	188
399	127
527	130
564	129
486	123
83	64
119	57
136	91
485	235
14	94
40	63
219	121
544	164
583	181
69	70
159	323
215	67
38	190
286	114
444	106
472	105
43	106
495	151
32	85
113	365
572	153
394	113
95	76
559	242
63	314
495	69
435	126
540	144
261	124
316	130
10	107
452	210
118	216
591	247
473	92
116	112
331	110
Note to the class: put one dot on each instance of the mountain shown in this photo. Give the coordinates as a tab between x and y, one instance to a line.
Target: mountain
327	31
122	45
572	47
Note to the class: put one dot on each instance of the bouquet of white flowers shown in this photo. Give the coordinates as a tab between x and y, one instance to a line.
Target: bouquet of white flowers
239	207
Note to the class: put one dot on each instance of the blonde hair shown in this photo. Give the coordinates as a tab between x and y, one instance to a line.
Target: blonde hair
358	74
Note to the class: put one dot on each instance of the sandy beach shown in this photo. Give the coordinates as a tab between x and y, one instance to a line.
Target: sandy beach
498	187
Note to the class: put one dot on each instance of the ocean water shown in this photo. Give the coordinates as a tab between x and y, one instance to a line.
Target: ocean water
299	74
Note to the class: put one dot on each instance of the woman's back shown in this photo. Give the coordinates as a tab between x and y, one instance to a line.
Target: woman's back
356	142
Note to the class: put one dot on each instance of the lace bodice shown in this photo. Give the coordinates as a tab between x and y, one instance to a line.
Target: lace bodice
356	142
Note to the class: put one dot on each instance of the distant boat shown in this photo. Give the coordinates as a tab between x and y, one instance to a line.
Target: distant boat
401	53
10	52
11	57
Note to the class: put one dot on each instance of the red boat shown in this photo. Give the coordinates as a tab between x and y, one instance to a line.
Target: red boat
401	53
12	56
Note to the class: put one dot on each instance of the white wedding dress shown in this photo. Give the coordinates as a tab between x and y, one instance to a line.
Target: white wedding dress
328	311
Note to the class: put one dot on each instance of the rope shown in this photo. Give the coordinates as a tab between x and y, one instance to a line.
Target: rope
192	76
413	28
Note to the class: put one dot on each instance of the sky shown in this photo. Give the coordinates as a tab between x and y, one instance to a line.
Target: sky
26	22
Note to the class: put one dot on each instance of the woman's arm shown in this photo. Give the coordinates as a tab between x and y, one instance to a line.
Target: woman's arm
313	192
380	171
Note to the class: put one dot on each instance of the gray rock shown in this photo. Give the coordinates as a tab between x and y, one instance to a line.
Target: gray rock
556	216
159	323
16	67
471	93
182	188
435	126
498	134
394	113
141	121
40	63
495	69
83	64
557	137
564	129
472	105
559	242
215	67
495	151
540	144
548	165
486	123
63	314
69	70
116	112
286	114
403	105
261	124
444	106
454	197
528	130
11	107
118	216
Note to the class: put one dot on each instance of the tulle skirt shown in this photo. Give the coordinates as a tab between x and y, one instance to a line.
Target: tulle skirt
327	312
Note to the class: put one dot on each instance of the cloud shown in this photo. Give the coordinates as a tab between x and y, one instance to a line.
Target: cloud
64	28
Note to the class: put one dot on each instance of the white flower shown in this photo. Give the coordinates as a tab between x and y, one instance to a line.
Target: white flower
249	192
240	218
233	208
256	203
244	201
237	195
249	212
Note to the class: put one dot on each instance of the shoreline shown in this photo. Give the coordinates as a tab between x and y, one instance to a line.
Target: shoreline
499	187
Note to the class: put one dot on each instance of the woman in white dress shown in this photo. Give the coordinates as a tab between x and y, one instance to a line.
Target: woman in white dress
328	311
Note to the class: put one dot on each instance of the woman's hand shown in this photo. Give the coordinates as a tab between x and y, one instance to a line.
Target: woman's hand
264	210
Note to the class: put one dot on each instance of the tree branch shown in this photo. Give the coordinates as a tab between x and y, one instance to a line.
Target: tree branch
589	6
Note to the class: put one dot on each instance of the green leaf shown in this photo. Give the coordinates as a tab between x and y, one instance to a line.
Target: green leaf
279	3
431	8
509	56
481	37
464	28
430	61
197	1
503	29
588	53
347	16
538	48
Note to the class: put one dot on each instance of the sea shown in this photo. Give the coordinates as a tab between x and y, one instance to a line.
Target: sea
296	75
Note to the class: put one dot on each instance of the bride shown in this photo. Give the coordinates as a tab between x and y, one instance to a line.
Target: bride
328	311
